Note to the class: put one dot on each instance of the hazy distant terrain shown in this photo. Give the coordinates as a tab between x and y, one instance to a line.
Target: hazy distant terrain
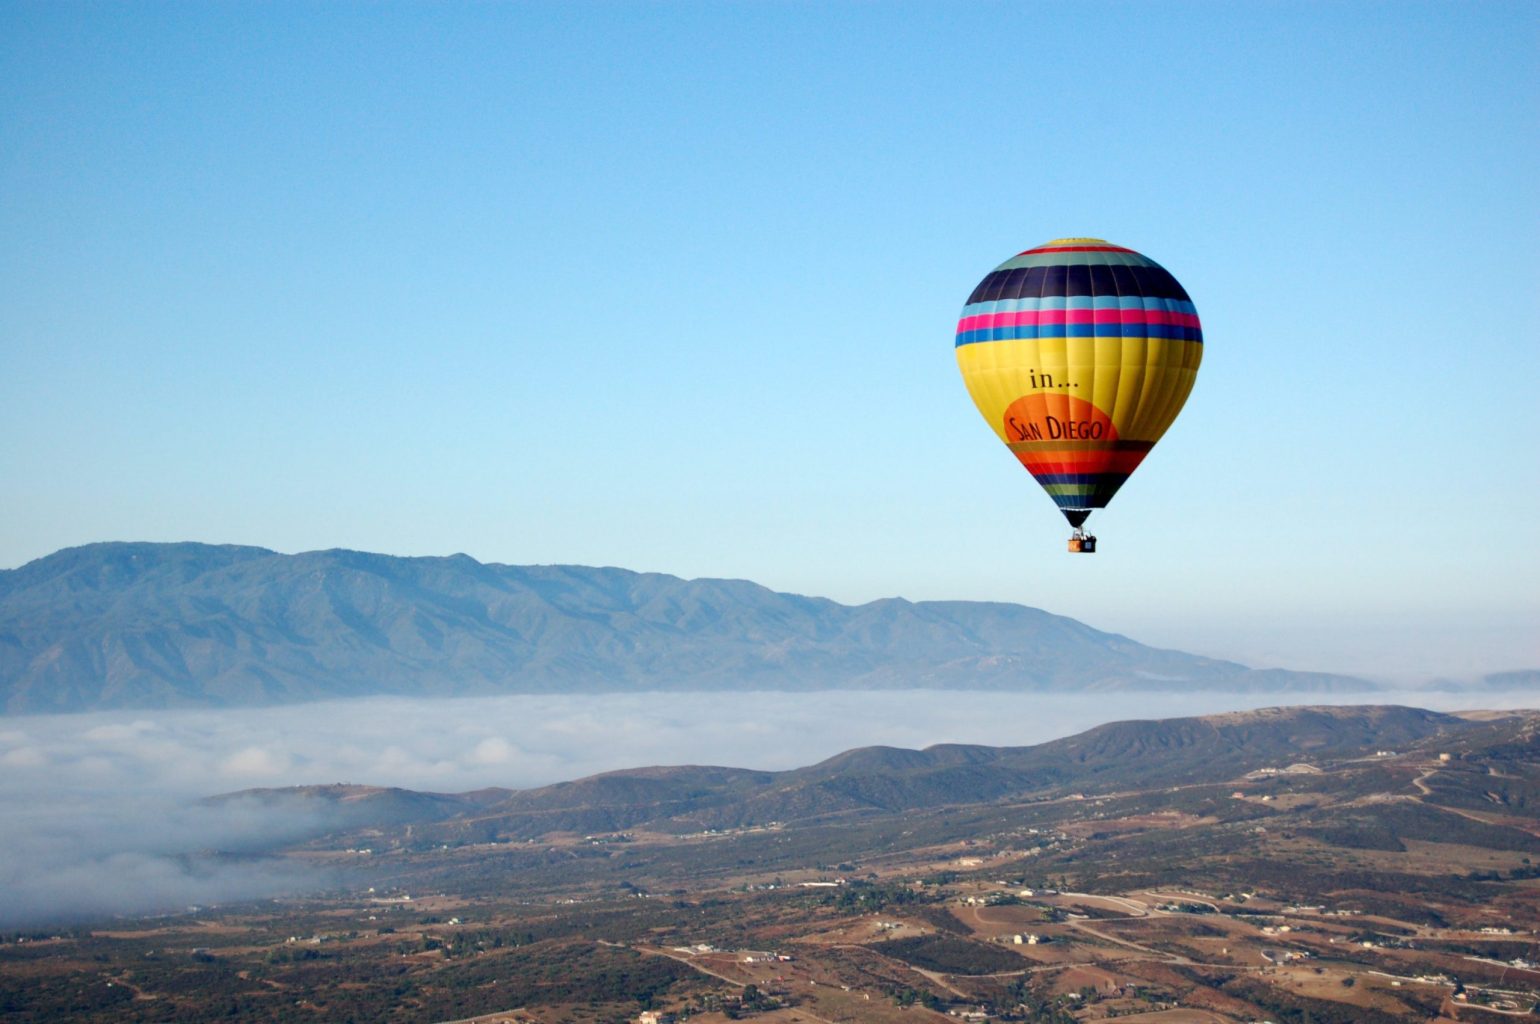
166	625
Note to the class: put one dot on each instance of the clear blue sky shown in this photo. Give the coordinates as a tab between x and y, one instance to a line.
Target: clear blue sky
673	287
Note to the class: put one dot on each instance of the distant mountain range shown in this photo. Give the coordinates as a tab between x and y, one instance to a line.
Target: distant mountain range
886	780
163	625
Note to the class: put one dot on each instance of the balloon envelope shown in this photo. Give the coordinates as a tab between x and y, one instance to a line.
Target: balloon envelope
1079	354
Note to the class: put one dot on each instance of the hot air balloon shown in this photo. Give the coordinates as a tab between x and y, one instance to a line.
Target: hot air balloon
1079	354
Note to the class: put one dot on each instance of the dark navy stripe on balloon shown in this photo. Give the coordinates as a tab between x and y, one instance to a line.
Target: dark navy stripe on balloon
1174	332
1092	496
1078	279
1088	479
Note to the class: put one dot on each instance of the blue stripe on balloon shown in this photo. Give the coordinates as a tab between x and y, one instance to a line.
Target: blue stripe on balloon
1172	332
1033	303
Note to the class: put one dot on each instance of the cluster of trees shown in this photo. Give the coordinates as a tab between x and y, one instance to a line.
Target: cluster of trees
50	997
950	955
1021	1002
860	897
924	997
1287	1008
751	1000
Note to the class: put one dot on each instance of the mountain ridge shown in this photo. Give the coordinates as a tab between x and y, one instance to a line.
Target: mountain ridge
138	624
867	780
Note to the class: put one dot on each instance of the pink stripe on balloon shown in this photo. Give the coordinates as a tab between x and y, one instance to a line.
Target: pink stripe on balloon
1035	317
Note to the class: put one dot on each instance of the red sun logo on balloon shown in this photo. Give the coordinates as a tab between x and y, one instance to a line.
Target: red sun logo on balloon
1056	419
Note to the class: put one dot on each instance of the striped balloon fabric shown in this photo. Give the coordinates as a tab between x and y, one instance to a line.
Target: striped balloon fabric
1079	354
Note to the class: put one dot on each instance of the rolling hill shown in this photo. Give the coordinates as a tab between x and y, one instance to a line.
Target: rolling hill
888	780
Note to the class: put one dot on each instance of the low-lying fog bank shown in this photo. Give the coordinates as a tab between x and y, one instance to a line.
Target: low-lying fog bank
101	815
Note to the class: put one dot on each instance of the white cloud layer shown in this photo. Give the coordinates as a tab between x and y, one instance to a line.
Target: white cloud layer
99	812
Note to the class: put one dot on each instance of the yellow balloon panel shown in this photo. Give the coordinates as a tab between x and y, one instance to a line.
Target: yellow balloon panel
1139	383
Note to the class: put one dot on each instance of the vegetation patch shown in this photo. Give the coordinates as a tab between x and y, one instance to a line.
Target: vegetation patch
951	955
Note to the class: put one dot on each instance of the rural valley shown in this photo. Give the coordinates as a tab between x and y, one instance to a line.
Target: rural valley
1321	864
